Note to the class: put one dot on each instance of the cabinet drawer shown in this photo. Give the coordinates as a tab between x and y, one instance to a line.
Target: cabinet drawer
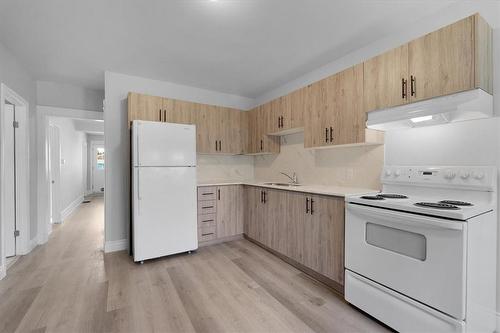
206	207
207	233
206	220
207	193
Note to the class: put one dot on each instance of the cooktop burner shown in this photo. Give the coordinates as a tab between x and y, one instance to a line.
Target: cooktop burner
392	196
372	197
456	203
437	205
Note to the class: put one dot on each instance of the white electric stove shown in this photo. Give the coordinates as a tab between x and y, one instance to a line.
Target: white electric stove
421	255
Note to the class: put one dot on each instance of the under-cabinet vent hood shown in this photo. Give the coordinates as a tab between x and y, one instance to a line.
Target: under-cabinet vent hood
467	105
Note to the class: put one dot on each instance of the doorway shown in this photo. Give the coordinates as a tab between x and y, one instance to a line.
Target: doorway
98	165
15	236
9	160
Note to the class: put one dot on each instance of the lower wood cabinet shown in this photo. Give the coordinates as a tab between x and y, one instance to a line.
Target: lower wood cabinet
306	228
220	213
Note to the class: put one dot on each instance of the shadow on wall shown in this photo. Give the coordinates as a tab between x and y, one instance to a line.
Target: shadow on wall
342	166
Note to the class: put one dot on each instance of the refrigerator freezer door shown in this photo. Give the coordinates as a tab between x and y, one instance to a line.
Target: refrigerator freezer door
163	144
164	211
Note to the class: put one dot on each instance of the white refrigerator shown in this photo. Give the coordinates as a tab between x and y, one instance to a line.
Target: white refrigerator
164	189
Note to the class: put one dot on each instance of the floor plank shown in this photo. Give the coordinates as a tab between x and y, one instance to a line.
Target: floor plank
70	285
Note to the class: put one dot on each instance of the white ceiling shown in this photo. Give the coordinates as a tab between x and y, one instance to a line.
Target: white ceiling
243	47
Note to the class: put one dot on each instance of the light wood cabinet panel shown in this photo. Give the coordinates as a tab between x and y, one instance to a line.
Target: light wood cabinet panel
229	211
336	115
442	62
144	107
324	237
258	140
386	79
287	113
252	212
295	222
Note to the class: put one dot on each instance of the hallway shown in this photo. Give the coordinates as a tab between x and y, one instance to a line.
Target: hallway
69	285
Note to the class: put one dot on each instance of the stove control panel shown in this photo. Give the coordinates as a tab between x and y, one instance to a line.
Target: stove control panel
480	178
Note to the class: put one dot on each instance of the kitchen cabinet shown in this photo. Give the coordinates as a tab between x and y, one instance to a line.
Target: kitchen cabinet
220	213
335	115
452	59
259	142
229	210
144	107
306	228
386	79
287	113
219	130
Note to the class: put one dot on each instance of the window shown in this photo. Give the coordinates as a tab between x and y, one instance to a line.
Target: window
100	158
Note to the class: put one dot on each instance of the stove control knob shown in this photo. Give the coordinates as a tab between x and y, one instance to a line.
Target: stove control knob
464	175
450	174
388	172
397	173
478	175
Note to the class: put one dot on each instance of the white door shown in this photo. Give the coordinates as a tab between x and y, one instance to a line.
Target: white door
163	144
98	166
164	211
10	182
54	174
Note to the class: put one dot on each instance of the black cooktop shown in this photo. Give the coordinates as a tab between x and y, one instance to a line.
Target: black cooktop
372	197
392	196
456	203
437	205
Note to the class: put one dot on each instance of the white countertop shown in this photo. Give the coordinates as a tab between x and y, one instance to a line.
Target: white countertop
339	191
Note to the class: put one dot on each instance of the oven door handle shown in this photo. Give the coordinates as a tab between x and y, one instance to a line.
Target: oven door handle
394	217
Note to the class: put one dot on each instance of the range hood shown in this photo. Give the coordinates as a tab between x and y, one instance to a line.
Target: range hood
467	105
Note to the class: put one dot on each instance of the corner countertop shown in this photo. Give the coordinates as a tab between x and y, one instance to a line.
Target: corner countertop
338	191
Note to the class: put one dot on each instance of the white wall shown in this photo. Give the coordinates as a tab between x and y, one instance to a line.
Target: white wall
68	96
117	86
341	166
16	78
72	176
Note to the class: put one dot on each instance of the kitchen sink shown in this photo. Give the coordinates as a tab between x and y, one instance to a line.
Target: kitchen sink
283	184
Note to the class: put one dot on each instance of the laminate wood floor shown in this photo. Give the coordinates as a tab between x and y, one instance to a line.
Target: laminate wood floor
69	285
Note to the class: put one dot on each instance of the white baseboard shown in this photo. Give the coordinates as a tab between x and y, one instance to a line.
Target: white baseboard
117	245
71	208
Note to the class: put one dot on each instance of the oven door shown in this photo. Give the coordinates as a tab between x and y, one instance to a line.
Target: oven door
421	257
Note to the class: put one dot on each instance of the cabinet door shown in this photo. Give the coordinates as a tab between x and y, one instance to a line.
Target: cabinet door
229	208
442	62
179	112
324	237
252	209
318	116
386	79
212	118
296	104
347	119
295	220
229	131
252	134
144	107
276	222
264	142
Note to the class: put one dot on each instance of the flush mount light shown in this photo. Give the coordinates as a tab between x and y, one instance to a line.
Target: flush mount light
421	119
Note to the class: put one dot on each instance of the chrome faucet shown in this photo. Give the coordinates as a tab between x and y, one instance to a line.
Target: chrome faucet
293	178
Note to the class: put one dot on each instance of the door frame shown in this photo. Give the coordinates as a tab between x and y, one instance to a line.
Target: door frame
92	147
56	178
23	243
43	114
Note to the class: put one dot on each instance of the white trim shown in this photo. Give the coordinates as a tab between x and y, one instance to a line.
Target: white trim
114	246
66	212
3	272
22	173
43	113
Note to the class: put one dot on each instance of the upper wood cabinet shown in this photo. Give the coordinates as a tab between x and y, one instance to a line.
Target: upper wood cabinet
455	58
144	107
335	114
386	79
287	113
259	142
219	130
